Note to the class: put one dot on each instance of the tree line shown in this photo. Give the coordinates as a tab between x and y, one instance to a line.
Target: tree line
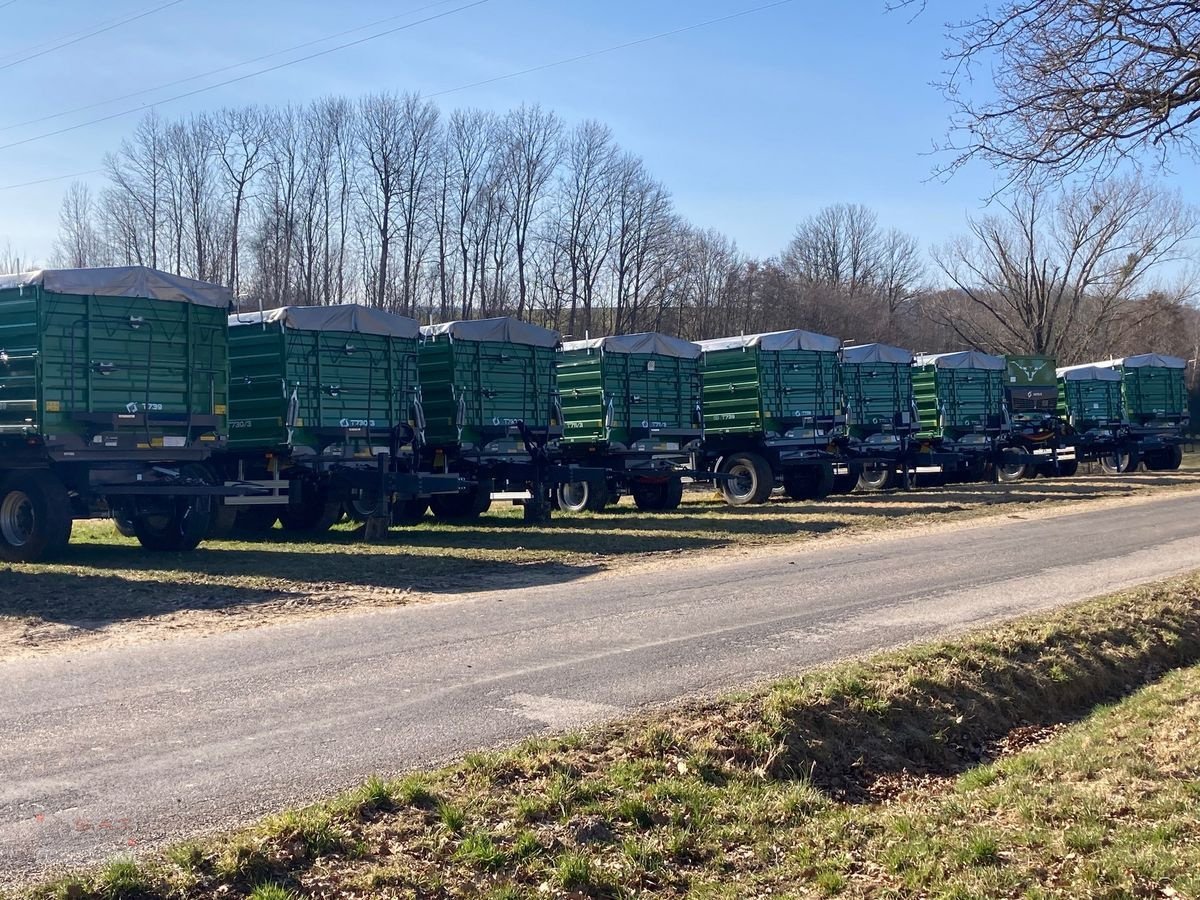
389	201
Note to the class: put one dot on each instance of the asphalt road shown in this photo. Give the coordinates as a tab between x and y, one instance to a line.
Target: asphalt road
105	750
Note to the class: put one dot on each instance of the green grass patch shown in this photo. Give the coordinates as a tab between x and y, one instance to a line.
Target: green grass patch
1057	756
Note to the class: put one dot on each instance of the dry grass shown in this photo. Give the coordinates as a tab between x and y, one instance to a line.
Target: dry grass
989	766
110	590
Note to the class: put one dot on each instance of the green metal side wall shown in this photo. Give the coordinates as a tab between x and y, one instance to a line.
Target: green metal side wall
1088	404
1154	393
955	402
486	386
879	397
63	356
754	391
648	393
338	380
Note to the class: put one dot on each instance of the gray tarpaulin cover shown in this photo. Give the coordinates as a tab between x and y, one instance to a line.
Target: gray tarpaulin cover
776	340
1145	360
876	353
1088	372
123	281
963	359
343	317
646	342
504	329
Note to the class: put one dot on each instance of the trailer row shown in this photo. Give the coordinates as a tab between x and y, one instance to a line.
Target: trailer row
134	394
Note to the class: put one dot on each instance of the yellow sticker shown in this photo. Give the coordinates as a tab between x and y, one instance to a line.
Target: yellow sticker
156	442
299	422
219	409
208	437
53	406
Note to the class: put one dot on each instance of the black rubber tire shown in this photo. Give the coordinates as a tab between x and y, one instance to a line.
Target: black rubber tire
1115	463
754	483
877	479
1010	472
224	521
658	496
463	507
316	514
407	513
123	522
1174	458
844	484
1068	468
183	524
35	517
810	483
257	519
582	496
359	509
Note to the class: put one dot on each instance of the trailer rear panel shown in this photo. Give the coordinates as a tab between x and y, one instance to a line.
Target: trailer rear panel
123	359
319	377
959	393
630	390
878	381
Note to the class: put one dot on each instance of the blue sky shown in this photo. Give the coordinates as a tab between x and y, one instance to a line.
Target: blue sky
752	123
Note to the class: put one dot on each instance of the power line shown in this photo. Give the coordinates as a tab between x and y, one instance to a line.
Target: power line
593	53
211	72
248	75
7	4
23	184
89	34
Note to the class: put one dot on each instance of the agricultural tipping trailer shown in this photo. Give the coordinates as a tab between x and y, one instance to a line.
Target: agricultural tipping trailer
961	405
325	416
1153	413
1038	442
631	406
881	411
493	415
112	402
773	413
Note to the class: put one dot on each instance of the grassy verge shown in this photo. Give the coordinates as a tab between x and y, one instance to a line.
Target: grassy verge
1056	756
110	588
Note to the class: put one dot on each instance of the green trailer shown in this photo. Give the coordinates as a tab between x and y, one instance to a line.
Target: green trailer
881	414
325	415
1153	413
962	410
493	415
773	413
113	401
1038	442
631	405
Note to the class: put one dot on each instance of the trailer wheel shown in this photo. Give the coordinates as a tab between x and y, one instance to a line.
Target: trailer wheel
810	483
257	519
1174	458
35	517
877	479
661	496
123	522
316	512
463	507
181	523
844	484
409	512
1010	469
224	521
1068	468
582	496
1116	462
751	480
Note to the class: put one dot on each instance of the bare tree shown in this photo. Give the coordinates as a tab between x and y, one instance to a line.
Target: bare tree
1050	274
418	144
1078	83
240	137
532	149
12	262
78	245
839	246
380	142
138	175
